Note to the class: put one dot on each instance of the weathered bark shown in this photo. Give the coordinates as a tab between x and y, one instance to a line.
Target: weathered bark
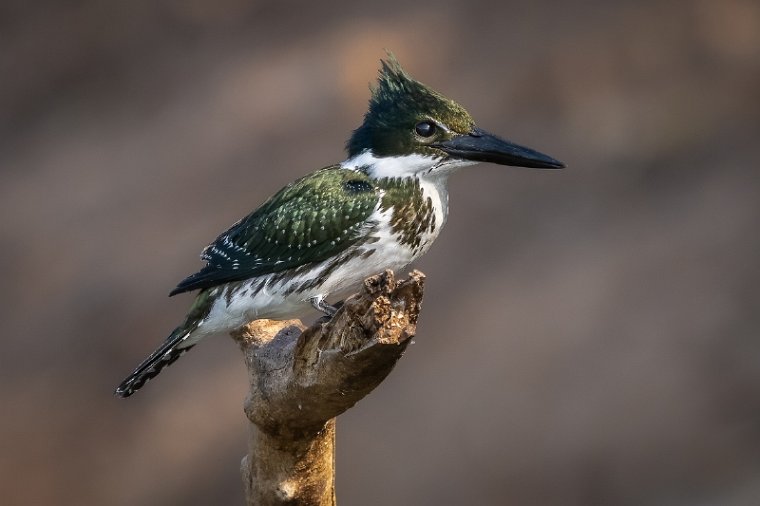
301	379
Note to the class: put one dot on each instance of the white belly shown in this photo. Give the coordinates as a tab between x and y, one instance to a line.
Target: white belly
275	297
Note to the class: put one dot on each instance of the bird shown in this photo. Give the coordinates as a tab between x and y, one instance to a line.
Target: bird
319	237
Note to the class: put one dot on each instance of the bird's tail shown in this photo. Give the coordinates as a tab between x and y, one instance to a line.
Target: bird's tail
173	348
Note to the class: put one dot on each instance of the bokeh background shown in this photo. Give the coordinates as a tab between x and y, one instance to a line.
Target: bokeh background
589	337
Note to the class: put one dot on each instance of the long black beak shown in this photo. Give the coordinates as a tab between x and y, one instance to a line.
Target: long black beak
481	146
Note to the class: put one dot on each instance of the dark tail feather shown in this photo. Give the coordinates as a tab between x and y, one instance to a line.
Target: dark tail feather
165	355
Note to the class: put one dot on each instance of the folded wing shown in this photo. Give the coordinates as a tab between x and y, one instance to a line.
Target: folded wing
306	222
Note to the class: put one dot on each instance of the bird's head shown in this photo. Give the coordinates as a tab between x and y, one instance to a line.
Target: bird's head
422	130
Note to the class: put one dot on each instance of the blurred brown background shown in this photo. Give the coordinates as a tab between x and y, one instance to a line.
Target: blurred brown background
589	337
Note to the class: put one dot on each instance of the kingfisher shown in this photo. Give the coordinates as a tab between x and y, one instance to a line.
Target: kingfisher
314	242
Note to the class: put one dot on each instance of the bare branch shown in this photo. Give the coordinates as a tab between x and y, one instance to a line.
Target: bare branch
301	379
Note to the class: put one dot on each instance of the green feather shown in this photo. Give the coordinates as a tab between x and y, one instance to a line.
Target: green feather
308	221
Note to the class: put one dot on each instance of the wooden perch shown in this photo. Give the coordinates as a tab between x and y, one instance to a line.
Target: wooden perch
301	379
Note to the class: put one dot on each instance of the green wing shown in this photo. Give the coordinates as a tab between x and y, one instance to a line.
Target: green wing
308	221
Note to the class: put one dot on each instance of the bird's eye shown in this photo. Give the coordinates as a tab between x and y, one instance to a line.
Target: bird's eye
425	128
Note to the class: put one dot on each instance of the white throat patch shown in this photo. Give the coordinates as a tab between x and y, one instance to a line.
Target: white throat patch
402	166
390	166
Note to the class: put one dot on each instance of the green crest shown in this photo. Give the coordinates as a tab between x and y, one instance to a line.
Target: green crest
397	105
